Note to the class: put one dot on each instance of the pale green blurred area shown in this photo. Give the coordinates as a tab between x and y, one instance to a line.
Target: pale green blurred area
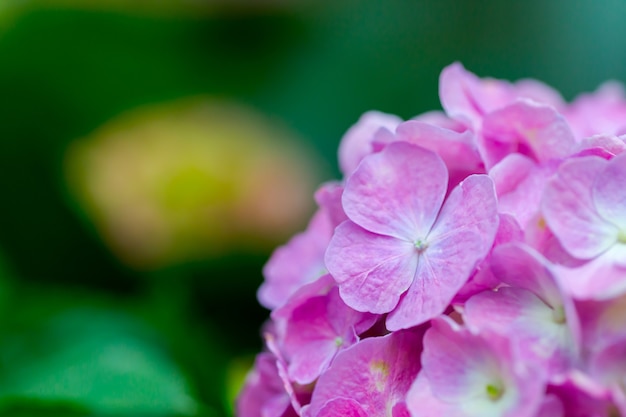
193	179
88	326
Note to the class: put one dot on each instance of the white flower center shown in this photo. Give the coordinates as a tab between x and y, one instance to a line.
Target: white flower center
420	245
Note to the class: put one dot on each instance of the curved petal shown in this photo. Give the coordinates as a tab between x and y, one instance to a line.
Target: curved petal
471	207
536	129
376	373
297	263
519	185
421	402
520	266
609	193
461	238
345	407
458	364
397	192
456	95
310	340
522	316
458	150
463	368
318	329
357	142
372	270
466	98
601	278
425	299
328	197
438	279
569	210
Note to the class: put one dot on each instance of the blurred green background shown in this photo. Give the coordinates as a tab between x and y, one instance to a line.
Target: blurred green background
129	265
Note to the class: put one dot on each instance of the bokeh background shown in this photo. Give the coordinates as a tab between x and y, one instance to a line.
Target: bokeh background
153	153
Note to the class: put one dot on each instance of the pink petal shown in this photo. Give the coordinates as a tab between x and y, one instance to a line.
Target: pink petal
521	316
538	236
372	270
602	111
357	142
263	392
551	406
421	401
397	192
536	129
376	373
608	366
344	407
539	92
458	150
320	286
328	196
471	207
455	93
604	322
466	98
461	367
606	146
439	118
458	364
460	239
316	331
510	172
520	266
569	210
298	262
599	279
298	394
609	194
483	279
310	341
519	185
428	296
580	395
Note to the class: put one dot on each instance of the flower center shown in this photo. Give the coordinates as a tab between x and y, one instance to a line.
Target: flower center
420	245
621	236
558	315
494	391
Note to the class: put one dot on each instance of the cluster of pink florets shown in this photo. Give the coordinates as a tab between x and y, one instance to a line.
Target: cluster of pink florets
472	262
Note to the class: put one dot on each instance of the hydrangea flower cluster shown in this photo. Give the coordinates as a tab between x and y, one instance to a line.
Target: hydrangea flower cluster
471	262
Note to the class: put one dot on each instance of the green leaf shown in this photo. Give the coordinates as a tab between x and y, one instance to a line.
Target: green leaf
102	360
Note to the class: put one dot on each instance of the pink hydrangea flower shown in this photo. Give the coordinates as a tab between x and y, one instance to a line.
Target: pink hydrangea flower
299	262
468	374
532	310
263	394
317	329
601	112
404	250
471	262
585	205
373	376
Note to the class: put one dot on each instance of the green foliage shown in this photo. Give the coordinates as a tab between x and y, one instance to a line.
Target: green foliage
102	360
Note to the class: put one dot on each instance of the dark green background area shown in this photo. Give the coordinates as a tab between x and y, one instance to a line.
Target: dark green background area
314	68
